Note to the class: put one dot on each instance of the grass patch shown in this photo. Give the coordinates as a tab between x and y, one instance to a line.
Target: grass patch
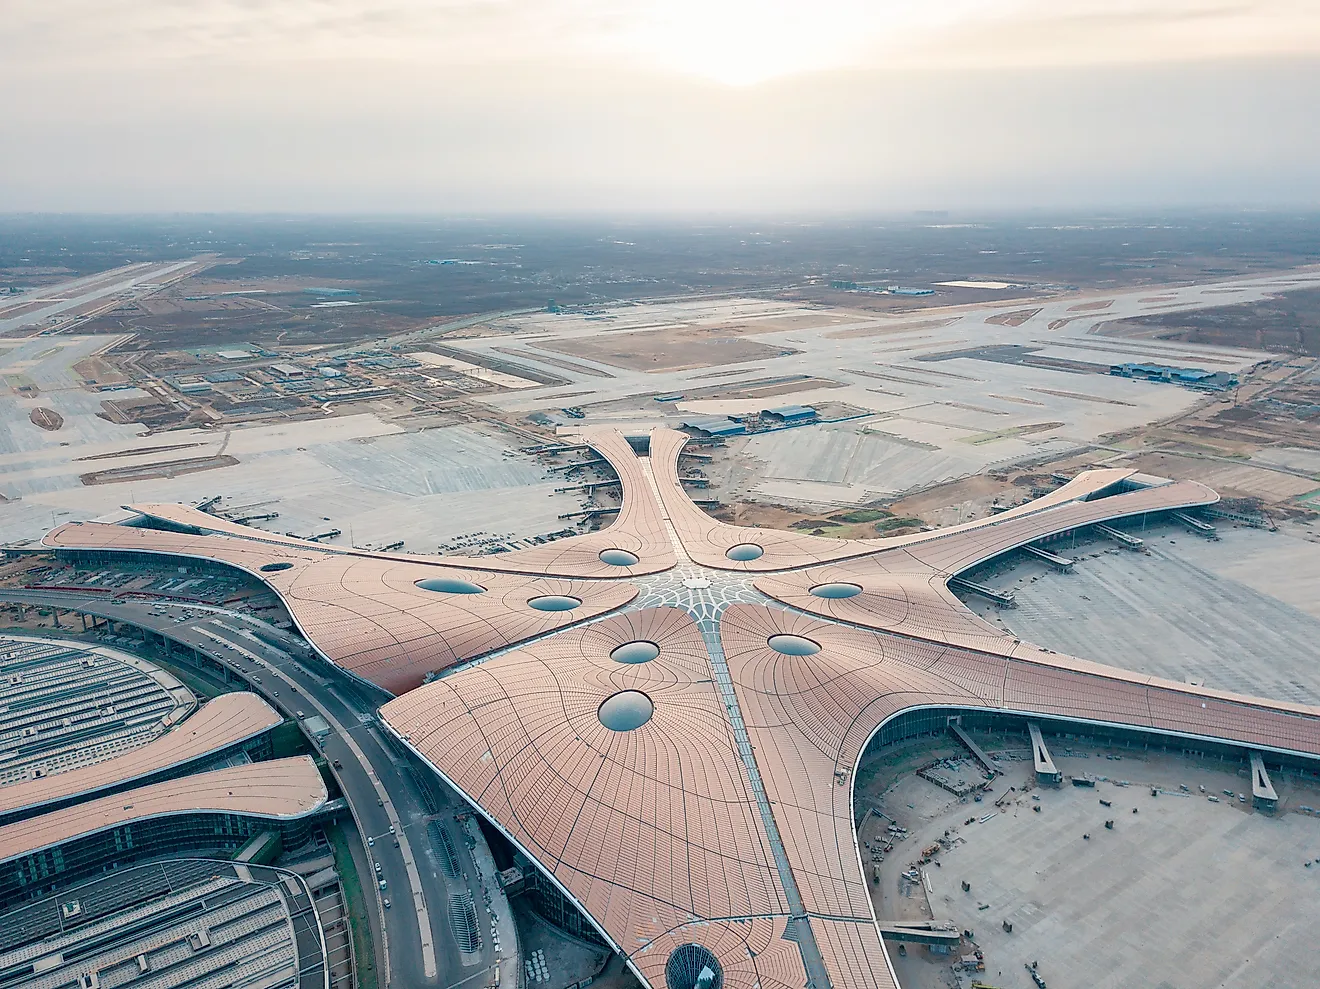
356	903
861	515
889	524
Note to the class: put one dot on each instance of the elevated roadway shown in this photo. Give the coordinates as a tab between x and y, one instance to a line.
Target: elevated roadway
413	938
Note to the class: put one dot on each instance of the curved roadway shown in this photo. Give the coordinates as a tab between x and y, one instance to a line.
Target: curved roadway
375	779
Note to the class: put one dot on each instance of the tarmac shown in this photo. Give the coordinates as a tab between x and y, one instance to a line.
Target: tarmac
1191	609
1185	894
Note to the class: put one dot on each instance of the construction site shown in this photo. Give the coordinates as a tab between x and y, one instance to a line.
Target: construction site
821	410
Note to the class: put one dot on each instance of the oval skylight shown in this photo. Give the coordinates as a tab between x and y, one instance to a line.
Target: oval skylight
627	710
554	602
836	589
794	645
744	552
638	651
450	585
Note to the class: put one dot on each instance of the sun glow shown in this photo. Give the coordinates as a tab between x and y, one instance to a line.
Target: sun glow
744	42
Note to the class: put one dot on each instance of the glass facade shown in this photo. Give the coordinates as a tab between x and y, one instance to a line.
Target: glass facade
82	858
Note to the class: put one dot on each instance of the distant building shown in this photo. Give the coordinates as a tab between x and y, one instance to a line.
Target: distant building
713	426
847	286
789	415
1191	377
233	355
289	370
330	372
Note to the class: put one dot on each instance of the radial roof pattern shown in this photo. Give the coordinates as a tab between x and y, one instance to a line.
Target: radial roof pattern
723	820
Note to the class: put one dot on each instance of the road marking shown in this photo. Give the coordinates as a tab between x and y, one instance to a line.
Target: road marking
429	967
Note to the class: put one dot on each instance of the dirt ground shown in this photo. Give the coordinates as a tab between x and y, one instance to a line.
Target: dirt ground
675	350
1231	480
856	523
1289	323
97	371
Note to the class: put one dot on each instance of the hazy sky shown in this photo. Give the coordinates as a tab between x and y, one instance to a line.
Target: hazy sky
482	105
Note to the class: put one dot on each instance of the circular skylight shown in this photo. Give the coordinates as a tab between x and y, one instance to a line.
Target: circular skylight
554	602
638	651
691	966
744	552
618	558
626	711
837	589
793	645
450	585
274	567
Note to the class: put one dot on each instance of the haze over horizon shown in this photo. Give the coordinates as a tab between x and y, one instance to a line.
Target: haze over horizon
582	105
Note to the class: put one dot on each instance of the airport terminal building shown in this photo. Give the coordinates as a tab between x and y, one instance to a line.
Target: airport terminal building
666	716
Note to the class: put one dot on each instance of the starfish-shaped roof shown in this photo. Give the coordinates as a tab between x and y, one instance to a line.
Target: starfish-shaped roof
718	813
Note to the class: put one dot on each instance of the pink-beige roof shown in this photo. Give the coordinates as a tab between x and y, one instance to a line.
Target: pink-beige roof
279	790
650	830
219	724
638	528
654	831
657	832
364	611
367	613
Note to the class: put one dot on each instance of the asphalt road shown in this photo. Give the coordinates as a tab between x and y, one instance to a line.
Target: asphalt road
418	944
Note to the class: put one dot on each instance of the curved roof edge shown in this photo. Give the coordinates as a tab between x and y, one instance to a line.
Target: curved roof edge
279	790
228	720
638	523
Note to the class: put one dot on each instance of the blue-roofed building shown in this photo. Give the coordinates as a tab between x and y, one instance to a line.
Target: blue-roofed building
790	415
1192	377
713	426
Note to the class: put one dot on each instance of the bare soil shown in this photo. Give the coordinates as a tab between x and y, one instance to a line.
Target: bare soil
672	350
1288	323
1015	318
